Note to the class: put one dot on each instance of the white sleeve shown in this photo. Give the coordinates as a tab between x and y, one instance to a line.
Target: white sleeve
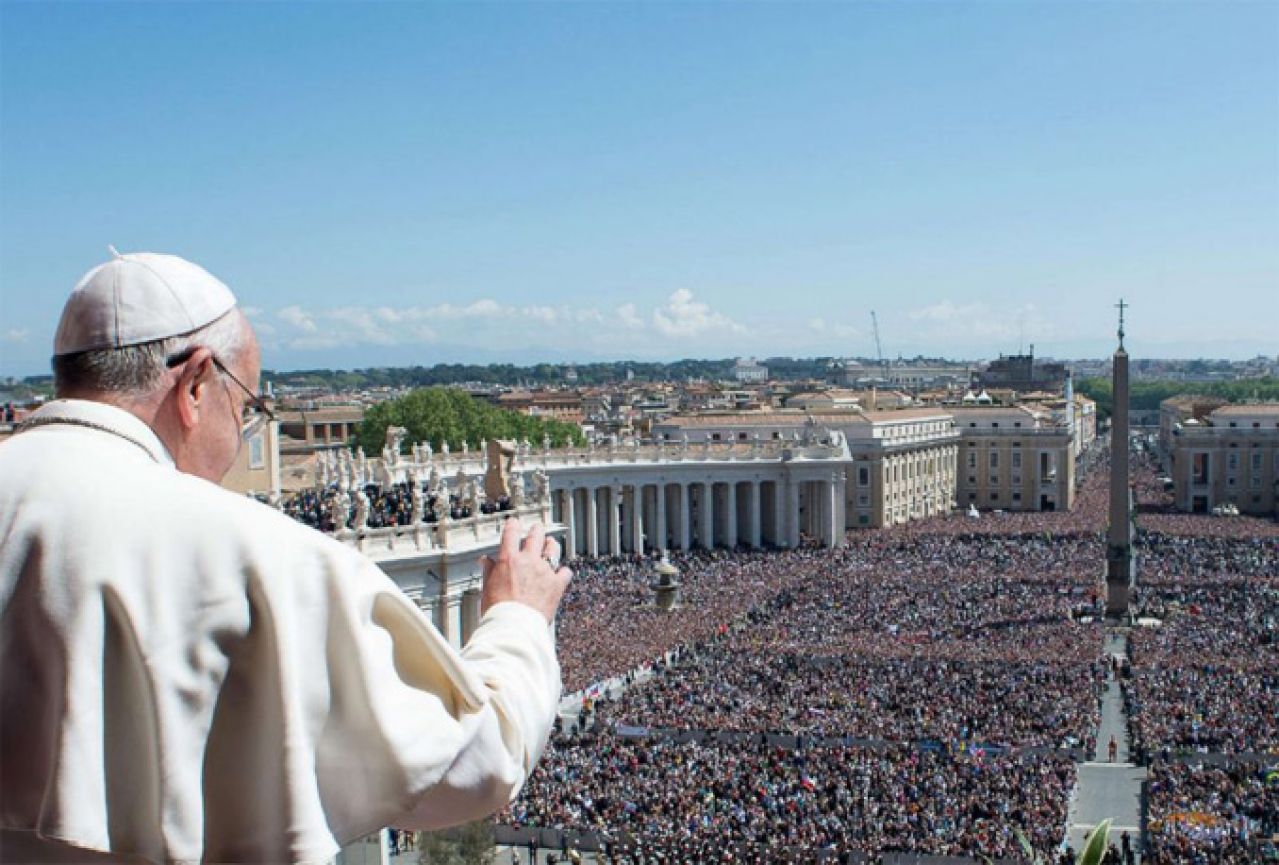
420	735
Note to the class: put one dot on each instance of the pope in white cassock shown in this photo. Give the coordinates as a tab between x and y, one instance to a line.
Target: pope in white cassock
187	675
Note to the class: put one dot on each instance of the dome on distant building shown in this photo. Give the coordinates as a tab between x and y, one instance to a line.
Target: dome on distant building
984	397
970	397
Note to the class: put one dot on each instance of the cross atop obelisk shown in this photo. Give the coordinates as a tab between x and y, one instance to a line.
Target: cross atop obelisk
1120	568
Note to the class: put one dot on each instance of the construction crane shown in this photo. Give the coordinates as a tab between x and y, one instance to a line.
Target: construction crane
879	349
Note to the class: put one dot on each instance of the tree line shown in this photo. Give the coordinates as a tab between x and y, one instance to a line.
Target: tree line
511	375
438	415
1146	395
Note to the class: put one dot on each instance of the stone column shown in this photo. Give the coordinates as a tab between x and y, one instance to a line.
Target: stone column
833	529
730	516
567	510
792	513
614	520
685	527
637	518
708	515
841	506
1120	566
470	613
781	534
660	517
756	518
592	523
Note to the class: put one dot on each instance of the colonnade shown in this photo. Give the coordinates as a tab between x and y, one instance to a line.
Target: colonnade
654	516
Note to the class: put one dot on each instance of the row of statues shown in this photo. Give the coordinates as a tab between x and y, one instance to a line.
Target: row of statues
350	469
502	486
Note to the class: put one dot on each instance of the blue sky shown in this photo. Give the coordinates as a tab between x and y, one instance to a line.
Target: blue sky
399	183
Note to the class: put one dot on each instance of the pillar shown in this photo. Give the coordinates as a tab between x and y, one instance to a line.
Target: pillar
570	522
685	527
792	513
614	521
592	524
833	529
730	520
708	515
660	517
780	532
637	518
470	613
841	506
755	516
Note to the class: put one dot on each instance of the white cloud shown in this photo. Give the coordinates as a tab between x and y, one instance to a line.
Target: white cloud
822	327
16	334
628	318
682	316
488	323
299	318
944	321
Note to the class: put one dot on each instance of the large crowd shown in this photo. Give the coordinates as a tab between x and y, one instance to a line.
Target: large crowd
931	685
1205	675
706	802
1223	814
921	689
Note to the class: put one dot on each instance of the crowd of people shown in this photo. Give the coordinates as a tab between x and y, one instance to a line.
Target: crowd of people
705	802
932	681
935	682
1207	678
1222	814
387	506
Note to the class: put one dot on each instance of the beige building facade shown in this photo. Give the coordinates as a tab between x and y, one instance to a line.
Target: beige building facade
1230	456
1013	458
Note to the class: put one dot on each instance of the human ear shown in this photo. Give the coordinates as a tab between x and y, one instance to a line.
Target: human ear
195	375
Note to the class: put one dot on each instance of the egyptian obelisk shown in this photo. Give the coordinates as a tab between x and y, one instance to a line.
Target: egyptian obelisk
1120	567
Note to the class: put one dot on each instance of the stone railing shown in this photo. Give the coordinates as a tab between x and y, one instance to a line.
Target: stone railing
374	471
441	536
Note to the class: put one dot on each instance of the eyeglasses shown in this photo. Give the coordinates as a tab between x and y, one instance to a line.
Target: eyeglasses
255	409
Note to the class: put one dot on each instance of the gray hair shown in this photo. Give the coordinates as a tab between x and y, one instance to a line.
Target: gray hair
139	369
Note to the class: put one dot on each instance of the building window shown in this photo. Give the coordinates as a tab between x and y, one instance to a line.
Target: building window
1256	461
1232	461
257	452
1016	459
994	497
863	500
994	425
972	497
994	459
1017	424
1199	464
863	476
972	459
1016	497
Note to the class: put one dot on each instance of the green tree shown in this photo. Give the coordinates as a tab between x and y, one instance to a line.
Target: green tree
475	843
438	415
